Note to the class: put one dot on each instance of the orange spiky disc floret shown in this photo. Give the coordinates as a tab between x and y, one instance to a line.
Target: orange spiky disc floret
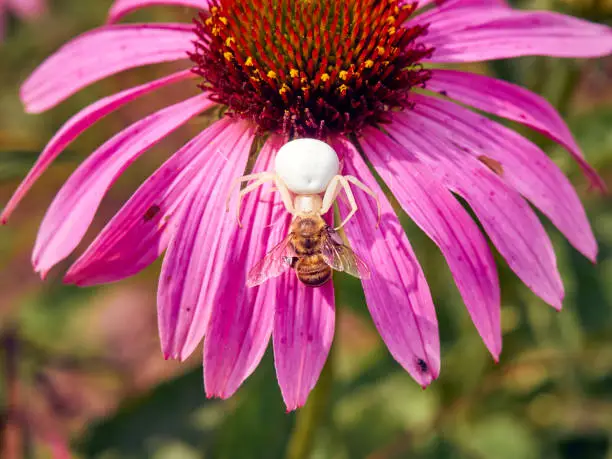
310	67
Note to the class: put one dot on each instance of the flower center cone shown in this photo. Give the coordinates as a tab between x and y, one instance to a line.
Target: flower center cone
310	68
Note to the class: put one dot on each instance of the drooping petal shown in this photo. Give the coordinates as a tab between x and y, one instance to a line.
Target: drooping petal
469	35
302	337
121	8
199	246
76	125
512	102
140	231
397	293
80	62
526	167
242	318
508	220
75	205
443	219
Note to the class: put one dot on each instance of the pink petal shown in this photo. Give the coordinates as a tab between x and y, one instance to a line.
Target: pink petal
121	8
242	318
2	22
512	102
467	35
79	123
140	231
79	63
397	293
444	21
424	3
27	9
302	337
508	220
442	5
444	220
74	207
200	244
526	167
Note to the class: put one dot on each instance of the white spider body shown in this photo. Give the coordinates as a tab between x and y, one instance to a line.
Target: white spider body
306	165
305	204
306	177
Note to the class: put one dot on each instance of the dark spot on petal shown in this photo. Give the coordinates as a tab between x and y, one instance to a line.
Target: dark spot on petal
494	165
422	365
151	212
444	93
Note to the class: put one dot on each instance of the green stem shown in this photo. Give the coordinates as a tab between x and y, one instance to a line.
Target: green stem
310	417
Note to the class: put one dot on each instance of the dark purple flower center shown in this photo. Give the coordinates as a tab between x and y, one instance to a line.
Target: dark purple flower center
310	67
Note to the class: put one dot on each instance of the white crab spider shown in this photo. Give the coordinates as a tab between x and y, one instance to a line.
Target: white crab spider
306	176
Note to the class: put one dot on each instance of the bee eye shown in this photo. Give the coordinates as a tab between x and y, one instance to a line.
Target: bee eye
306	165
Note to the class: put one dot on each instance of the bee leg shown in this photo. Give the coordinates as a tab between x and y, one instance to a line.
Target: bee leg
260	179
355	181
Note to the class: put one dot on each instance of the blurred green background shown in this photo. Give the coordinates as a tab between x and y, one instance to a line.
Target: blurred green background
81	372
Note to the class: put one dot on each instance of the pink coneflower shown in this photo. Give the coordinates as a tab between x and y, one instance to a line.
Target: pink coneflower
355	74
24	9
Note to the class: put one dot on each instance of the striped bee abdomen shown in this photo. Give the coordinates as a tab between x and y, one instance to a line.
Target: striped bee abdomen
313	271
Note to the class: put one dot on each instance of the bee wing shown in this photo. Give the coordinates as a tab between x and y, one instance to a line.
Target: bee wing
277	261
342	258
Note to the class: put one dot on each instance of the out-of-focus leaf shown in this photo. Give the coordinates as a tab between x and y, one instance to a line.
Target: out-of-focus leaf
258	427
174	416
45	318
15	164
593	129
500	437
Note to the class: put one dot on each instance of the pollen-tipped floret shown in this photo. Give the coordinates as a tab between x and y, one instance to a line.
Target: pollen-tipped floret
310	68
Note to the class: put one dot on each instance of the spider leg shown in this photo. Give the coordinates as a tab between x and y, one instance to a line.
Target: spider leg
244	178
331	193
362	186
351	199
259	179
285	194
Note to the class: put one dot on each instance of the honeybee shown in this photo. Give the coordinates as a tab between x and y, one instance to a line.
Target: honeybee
313	249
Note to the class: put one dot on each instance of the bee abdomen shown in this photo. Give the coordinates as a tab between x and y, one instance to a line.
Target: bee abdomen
313	271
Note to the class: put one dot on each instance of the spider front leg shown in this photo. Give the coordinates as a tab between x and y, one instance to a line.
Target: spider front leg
342	182
259	179
285	194
363	187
